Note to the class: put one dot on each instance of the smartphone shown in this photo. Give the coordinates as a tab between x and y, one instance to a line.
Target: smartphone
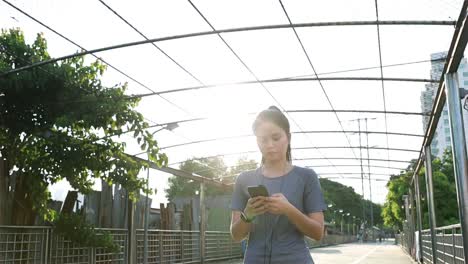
258	190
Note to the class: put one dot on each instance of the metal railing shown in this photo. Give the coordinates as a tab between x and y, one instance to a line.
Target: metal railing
219	246
426	245
330	240
449	245
402	239
398	239
28	244
179	246
169	246
23	245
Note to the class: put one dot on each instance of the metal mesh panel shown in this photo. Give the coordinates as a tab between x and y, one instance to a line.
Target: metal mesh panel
104	256
64	251
169	246
219	245
22	244
426	246
41	245
449	245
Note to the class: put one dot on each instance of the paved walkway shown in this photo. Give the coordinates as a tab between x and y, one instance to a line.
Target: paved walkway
356	253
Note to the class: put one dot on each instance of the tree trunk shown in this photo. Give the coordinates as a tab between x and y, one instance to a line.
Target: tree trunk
105	204
4	193
22	202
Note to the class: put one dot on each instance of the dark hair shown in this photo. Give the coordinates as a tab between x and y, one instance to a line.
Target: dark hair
274	115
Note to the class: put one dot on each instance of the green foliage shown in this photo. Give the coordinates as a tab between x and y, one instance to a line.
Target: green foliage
341	196
243	164
392	213
76	229
445	196
56	121
344	198
208	167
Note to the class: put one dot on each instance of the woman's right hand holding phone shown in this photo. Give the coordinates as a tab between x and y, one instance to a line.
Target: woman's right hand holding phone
256	206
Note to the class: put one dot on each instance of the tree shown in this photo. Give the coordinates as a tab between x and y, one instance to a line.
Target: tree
56	123
393	212
242	164
445	194
208	167
345	198
335	193
445	197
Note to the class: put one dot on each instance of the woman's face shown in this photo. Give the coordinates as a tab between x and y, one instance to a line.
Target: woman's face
272	141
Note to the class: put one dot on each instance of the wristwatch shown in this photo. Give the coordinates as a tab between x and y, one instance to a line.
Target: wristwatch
246	219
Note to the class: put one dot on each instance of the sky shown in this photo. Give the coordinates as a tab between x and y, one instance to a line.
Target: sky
229	58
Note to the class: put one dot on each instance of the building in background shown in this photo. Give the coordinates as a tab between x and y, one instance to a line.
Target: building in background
442	138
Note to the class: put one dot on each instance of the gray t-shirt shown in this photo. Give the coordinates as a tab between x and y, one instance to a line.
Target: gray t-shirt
273	238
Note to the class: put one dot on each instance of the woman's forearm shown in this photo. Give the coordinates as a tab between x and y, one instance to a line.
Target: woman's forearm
239	229
308	226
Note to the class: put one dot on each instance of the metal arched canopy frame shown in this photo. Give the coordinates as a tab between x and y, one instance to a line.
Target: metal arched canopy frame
352	178
287	111
294	148
354	173
183	174
302	111
295	132
319	24
232	30
352	165
347	158
309	166
287	79
454	57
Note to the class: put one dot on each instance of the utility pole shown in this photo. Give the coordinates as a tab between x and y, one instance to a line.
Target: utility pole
147	212
362	178
370	185
202	223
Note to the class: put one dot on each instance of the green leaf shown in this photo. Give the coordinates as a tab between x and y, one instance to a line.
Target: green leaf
68	99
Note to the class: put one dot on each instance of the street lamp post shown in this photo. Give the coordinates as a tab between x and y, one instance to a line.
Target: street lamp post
330	206
370	184
354	225
341	222
170	127
334	218
347	223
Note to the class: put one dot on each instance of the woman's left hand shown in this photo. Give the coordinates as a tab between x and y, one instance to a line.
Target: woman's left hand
278	204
